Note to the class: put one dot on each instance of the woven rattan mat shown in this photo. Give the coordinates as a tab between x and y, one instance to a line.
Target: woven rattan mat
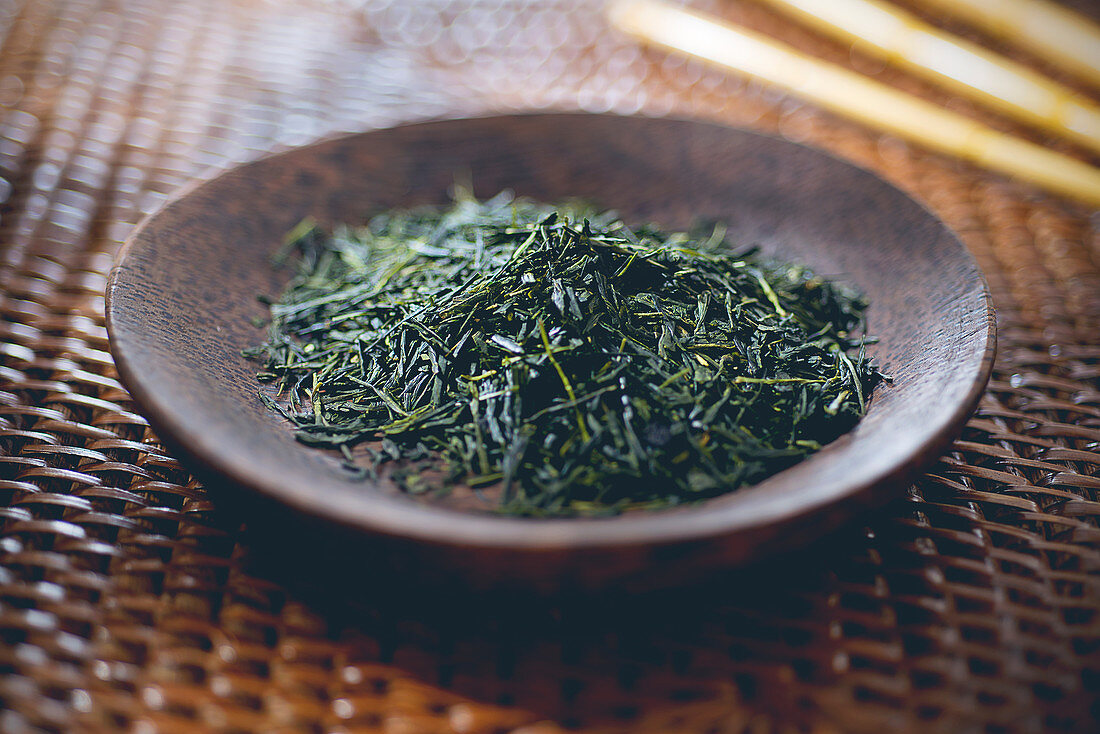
130	601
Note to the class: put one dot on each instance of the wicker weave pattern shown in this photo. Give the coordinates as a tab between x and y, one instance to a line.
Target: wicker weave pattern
127	601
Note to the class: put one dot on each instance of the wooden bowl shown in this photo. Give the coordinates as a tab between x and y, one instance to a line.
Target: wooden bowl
184	293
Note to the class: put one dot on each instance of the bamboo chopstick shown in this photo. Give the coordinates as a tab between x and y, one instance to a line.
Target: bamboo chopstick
855	96
1056	34
904	40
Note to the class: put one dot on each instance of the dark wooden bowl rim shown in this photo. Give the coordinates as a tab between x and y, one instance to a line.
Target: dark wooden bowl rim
799	492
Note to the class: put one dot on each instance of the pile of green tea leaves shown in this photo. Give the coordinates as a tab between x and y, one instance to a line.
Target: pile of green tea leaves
577	365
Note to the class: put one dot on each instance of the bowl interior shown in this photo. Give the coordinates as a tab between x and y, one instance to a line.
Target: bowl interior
182	299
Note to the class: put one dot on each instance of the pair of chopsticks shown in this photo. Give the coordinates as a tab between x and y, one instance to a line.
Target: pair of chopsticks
904	40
